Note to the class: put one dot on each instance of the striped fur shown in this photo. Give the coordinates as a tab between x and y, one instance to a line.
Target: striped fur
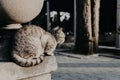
31	43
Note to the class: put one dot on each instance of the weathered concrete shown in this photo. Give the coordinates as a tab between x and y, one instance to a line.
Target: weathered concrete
73	66
11	71
42	77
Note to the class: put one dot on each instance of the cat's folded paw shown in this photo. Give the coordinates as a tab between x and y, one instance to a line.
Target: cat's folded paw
42	57
49	54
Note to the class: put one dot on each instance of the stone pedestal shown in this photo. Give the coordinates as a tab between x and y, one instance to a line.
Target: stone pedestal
11	71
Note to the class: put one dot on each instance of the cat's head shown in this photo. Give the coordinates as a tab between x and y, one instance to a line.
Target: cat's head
59	35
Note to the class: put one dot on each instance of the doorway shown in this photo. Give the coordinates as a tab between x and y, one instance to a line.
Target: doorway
108	22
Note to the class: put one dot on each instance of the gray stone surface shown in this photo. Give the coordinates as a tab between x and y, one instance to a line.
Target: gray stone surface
11	71
80	67
40	77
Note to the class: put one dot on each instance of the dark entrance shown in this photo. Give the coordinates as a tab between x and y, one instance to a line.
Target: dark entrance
108	22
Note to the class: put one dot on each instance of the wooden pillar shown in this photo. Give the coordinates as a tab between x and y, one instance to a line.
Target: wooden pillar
95	23
84	29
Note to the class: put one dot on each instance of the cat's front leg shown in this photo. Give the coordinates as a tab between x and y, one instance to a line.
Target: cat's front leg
50	46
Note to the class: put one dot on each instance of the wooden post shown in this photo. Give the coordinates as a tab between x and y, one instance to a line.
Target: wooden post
95	23
87	25
84	30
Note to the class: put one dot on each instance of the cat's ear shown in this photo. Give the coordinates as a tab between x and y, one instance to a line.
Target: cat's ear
56	28
60	29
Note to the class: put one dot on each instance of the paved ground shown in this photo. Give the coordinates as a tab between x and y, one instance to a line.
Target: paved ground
80	67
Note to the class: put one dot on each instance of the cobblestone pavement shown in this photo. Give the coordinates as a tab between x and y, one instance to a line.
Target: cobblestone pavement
80	67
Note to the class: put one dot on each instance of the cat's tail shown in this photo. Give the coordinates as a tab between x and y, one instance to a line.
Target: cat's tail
27	62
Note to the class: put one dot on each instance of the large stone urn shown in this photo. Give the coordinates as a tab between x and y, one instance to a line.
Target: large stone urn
19	11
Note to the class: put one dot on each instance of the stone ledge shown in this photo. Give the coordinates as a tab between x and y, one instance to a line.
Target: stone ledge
11	71
41	77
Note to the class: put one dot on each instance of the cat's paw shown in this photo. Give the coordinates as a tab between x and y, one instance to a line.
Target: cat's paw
49	54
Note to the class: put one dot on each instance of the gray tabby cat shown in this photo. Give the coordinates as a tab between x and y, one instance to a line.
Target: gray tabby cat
31	43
